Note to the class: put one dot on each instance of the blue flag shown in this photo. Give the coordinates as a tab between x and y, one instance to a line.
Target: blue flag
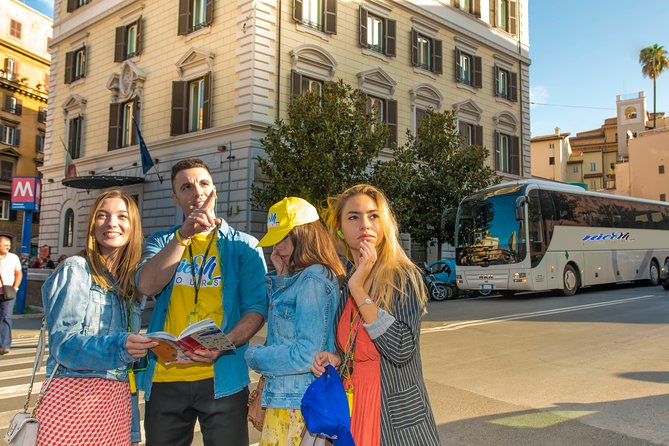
147	161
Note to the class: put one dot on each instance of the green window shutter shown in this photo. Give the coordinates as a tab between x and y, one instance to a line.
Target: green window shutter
179	117
391	38
184	17
119	44
115	126
330	17
437	60
363	27
206	112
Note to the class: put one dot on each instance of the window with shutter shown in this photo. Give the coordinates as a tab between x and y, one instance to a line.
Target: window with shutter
127	41
317	14
75	130
507	153
73	5
15	28
8	135
194	14
4	209
191	105
39	143
75	65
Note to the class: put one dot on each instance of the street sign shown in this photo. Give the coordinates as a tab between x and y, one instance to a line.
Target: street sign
26	193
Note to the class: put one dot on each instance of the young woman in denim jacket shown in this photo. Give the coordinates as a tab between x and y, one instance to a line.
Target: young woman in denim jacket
92	314
378	325
303	293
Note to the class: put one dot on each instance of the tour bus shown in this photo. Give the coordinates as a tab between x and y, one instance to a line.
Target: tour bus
534	235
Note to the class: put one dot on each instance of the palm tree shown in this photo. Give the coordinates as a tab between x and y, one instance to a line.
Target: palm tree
653	60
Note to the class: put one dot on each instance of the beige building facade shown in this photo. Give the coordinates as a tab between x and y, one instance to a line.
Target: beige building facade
550	156
205	78
24	71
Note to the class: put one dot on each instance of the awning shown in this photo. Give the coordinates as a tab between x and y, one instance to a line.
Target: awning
100	181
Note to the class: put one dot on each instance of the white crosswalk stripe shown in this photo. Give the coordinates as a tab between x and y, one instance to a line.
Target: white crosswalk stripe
15	372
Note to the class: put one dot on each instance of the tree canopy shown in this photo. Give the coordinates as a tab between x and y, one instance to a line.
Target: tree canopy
326	145
653	60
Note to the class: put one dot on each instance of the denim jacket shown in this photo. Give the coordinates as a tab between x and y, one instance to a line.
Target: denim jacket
87	326
301	324
243	270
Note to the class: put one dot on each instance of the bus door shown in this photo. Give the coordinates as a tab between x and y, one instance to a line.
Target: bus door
537	239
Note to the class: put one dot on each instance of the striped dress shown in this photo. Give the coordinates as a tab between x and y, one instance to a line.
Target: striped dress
406	415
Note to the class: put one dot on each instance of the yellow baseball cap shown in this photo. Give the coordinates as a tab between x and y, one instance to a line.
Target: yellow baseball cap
284	216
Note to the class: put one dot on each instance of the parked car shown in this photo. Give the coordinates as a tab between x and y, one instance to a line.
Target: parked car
664	275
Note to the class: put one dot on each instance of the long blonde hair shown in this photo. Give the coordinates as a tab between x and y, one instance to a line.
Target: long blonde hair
312	245
130	254
393	270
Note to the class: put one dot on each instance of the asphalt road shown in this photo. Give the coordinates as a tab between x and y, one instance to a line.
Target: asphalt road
535	369
538	369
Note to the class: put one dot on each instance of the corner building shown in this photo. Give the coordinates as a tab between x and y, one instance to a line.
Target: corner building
24	72
204	78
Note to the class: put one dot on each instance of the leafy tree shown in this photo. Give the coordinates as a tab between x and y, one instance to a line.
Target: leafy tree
431	173
327	145
653	60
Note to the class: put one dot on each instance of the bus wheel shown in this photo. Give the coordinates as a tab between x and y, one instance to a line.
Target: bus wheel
570	281
654	273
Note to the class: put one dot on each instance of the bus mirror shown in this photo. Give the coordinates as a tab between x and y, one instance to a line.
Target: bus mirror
520	208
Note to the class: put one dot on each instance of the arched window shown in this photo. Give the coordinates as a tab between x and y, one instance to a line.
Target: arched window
68	228
630	113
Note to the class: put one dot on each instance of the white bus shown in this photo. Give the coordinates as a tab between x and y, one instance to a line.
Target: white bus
533	235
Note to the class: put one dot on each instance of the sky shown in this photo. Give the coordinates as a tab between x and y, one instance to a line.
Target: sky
43	6
584	53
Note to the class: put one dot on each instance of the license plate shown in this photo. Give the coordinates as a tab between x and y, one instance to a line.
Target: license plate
487	286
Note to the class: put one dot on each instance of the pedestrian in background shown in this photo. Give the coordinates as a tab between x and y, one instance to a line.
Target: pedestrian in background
201	269
378	325
92	313
303	294
11	275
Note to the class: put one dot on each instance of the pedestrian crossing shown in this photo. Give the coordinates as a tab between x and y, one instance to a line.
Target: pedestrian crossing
16	370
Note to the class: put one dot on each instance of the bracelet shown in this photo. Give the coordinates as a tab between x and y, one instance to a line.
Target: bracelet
181	240
366	302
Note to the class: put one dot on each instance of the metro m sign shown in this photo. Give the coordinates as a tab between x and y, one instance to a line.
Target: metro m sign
26	193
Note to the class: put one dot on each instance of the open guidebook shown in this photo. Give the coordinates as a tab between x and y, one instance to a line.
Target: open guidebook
202	335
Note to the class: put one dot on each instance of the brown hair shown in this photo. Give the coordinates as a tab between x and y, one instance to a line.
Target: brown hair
189	163
130	254
312	245
393	270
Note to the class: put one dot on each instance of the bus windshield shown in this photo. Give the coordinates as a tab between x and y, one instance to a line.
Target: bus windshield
487	231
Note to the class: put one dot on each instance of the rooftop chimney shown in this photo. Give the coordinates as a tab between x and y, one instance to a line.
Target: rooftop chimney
557	130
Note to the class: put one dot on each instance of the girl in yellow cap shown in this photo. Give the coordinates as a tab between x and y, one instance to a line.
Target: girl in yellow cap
303	294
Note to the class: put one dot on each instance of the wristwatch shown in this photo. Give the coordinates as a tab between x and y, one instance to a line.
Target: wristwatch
366	302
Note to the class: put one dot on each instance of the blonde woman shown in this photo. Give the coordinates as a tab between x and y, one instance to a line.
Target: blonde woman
378	325
92	314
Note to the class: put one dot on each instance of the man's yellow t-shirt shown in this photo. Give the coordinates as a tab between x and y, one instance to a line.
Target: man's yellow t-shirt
183	310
